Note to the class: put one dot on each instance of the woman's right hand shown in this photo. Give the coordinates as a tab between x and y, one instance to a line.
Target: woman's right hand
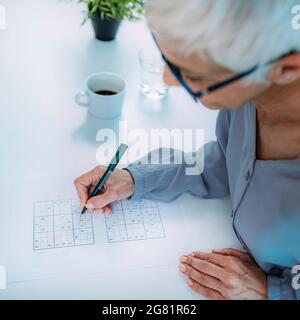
120	185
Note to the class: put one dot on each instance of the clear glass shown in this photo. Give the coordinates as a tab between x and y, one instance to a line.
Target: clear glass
152	71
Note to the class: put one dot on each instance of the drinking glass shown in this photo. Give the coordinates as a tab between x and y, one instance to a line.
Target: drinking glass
152	71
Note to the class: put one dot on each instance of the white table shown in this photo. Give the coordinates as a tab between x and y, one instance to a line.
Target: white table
45	56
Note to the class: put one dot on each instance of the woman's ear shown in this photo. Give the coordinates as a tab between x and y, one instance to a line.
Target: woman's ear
286	70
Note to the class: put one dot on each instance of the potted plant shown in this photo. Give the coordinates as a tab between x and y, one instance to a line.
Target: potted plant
106	15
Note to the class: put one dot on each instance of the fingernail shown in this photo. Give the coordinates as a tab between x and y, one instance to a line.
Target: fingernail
90	206
183	259
182	268
190	282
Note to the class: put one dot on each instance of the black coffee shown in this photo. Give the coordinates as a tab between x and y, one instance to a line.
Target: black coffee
105	92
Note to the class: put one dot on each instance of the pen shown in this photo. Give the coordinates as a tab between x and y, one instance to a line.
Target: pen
111	167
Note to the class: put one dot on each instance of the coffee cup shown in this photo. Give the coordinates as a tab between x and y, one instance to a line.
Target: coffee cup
104	95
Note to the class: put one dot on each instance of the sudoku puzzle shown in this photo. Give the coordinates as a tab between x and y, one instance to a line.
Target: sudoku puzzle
58	223
134	220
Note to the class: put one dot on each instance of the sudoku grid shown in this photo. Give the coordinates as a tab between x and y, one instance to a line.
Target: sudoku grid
134	220
58	223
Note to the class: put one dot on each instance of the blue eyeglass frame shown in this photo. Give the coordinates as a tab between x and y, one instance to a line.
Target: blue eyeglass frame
198	95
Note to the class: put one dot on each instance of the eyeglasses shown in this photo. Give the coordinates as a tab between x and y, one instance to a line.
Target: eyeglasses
198	95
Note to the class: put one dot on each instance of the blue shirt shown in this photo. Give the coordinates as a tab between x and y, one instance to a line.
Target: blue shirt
265	195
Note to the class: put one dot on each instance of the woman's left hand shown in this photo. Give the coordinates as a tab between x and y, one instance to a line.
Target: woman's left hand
224	274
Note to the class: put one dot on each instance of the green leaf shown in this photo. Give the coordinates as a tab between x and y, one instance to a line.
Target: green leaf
115	9
93	11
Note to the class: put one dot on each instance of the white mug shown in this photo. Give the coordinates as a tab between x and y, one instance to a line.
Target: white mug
103	105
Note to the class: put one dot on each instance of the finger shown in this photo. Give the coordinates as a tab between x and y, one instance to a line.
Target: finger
101	200
234	253
82	192
204	266
84	183
107	209
201	278
97	210
214	258
202	290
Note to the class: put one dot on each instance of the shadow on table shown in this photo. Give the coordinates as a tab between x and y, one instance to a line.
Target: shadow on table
88	131
150	108
97	56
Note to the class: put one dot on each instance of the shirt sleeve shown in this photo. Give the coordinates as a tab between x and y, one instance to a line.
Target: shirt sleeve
166	182
281	288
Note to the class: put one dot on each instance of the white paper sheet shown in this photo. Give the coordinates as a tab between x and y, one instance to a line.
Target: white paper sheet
49	237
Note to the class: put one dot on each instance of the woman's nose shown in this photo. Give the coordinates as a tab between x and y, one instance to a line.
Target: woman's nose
169	78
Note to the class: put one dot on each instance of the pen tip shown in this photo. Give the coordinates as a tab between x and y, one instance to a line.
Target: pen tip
83	210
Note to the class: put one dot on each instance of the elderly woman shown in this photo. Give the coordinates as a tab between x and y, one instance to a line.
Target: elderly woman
241	57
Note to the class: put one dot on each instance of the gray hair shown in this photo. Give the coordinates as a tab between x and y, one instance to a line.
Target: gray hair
236	34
